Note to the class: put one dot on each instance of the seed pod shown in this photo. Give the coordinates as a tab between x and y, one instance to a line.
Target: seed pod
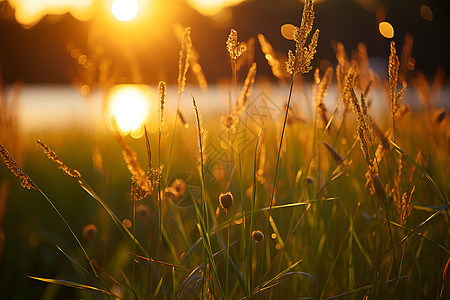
226	200
257	236
309	180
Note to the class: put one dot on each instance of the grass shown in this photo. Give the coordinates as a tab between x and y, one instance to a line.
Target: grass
333	227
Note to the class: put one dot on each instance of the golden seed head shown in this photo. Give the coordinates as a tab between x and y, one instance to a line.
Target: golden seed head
270	56
16	169
183	61
140	179
235	49
226	200
257	236
162	99
300	61
61	165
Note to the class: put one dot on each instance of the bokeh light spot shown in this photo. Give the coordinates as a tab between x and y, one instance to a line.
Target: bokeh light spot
287	31
426	13
127	223
386	30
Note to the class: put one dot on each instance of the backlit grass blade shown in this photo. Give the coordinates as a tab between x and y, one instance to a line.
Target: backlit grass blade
207	246
115	219
427	176
73	285
158	287
236	269
361	289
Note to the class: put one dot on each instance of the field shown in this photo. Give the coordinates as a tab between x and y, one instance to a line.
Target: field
261	198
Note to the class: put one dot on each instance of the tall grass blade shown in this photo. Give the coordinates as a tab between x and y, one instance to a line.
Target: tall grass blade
73	285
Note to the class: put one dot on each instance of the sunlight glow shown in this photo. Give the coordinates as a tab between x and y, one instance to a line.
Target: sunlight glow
29	12
212	7
129	106
386	30
125	10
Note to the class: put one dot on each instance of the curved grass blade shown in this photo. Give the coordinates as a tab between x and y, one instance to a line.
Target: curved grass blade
128	286
113	216
364	288
74	262
427	176
238	273
281	274
73	285
207	245
158	287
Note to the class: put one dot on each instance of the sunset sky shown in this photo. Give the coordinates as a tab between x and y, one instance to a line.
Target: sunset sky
35	49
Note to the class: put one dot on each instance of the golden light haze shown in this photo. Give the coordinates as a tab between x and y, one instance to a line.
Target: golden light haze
212	7
29	12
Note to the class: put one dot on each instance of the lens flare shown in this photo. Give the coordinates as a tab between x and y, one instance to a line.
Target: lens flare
124	10
129	107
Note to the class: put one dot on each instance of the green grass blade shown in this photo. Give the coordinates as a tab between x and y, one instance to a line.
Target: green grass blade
236	269
174	284
207	246
279	275
158	287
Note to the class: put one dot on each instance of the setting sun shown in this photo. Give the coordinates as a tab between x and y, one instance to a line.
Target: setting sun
129	106
124	10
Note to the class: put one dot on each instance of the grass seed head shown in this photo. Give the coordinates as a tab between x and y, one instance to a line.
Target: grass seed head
300	61
271	57
183	61
16	169
52	155
162	98
235	49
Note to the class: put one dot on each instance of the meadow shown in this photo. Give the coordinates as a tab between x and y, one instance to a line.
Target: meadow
259	200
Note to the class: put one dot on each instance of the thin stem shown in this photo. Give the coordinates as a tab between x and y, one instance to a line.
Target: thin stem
228	257
134	238
173	137
235	81
278	161
74	236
